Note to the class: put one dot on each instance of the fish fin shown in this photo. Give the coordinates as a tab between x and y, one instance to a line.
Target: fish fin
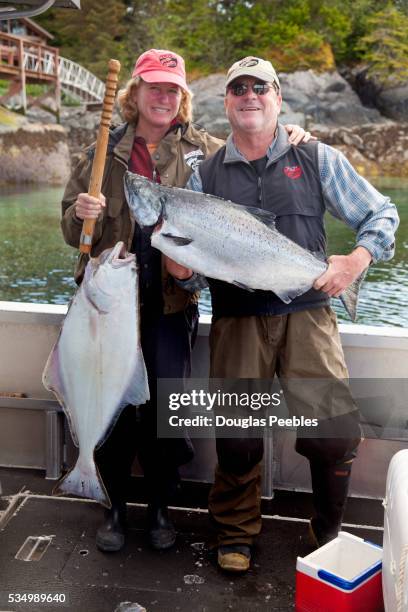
83	482
288	296
264	216
178	240
50	376
242	286
137	393
349	297
52	381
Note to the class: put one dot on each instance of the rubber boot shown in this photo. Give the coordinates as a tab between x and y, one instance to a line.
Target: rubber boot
110	536
162	533
330	488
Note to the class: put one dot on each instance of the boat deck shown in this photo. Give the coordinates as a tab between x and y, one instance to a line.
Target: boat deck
185	578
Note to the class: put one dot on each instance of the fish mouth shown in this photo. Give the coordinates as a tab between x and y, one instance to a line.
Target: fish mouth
120	255
145	203
117	256
118	251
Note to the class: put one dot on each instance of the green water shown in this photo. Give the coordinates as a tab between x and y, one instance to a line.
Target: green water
384	293
37	266
35	263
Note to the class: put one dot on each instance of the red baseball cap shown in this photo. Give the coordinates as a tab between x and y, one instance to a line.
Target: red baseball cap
161	66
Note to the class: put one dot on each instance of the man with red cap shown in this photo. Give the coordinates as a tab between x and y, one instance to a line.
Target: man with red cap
158	141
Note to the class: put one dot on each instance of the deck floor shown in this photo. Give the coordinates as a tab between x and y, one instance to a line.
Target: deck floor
184	579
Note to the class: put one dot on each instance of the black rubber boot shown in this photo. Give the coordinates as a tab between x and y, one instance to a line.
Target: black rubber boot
162	534
330	489
110	536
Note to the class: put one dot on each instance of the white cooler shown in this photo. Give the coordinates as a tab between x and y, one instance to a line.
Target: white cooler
395	546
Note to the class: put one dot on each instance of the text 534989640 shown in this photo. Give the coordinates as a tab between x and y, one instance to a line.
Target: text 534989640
31	598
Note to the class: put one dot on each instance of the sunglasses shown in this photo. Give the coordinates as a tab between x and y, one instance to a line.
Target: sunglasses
259	89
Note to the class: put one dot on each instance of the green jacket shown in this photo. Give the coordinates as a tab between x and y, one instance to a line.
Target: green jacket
175	159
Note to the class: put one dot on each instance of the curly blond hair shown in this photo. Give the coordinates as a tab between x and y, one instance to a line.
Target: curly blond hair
128	106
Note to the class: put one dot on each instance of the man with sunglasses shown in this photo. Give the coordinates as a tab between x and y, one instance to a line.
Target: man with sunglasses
255	335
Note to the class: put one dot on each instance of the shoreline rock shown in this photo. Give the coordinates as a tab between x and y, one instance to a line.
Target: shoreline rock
389	98
374	150
34	153
325	104
309	98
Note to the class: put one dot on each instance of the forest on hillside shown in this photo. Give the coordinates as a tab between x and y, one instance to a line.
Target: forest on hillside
293	34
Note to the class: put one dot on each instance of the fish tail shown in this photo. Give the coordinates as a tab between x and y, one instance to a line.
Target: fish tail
84	481
349	297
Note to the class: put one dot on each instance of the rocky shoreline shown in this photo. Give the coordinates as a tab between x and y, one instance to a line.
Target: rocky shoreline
375	142
374	150
34	153
328	106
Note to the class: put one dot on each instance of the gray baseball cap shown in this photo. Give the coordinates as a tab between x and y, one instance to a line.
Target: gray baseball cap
254	67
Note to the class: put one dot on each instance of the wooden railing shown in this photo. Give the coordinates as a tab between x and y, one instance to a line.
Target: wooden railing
33	62
39	62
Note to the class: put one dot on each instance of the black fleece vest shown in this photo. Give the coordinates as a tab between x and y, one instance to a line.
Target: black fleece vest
290	188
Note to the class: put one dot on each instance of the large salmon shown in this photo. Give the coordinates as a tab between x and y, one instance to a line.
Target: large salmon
96	366
227	241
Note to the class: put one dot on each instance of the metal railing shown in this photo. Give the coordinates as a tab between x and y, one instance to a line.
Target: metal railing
42	64
79	82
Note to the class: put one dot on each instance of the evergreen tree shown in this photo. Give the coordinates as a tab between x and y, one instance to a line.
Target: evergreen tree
402	5
211	34
92	35
385	47
141	17
194	29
